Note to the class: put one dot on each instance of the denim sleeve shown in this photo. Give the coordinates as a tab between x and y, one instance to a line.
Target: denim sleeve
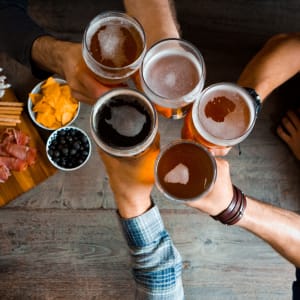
156	262
18	32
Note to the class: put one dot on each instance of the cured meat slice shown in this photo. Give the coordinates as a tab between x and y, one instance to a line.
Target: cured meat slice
4	172
13	164
15	152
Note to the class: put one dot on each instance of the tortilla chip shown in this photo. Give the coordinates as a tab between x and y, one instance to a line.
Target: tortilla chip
35	98
54	105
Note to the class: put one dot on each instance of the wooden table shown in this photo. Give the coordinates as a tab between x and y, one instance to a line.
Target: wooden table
62	239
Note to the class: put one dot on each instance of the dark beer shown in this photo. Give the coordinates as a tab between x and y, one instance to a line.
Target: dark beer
124	122
185	171
123	111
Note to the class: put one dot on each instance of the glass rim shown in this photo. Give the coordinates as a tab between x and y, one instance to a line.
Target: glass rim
162	152
197	89
125	151
223	142
120	15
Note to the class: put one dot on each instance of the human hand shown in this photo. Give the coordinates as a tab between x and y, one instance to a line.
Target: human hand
289	131
81	80
131	180
65	59
220	196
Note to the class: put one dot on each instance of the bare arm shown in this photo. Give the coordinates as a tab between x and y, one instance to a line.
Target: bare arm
275	63
156	16
278	227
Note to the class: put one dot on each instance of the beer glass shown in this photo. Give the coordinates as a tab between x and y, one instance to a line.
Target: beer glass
172	76
185	171
113	47
124	123
222	117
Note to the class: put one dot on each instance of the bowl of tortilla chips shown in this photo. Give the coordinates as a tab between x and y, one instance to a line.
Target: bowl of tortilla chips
51	105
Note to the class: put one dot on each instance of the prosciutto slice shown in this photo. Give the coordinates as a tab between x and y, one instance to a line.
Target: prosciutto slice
21	152
4	173
15	152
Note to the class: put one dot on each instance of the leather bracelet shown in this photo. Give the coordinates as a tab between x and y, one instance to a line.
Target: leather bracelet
235	210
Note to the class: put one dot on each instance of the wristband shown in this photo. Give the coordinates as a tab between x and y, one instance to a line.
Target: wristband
252	92
235	210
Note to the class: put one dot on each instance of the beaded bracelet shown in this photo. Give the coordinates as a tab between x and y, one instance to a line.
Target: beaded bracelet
235	210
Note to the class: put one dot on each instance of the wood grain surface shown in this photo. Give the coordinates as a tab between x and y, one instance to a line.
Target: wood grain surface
62	240
21	182
64	254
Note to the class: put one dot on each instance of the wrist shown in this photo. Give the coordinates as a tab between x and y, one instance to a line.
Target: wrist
235	210
131	206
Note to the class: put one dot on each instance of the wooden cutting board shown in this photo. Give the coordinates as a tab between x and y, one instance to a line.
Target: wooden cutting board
21	182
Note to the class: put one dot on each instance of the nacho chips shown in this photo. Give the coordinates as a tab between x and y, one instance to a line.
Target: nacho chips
54	105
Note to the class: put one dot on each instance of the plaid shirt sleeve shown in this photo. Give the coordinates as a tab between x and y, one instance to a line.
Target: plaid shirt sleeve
156	262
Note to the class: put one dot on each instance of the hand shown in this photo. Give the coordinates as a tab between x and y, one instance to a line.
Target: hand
131	180
221	195
81	80
65	59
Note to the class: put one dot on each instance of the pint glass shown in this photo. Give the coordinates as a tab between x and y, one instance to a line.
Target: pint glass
172	76
185	171
113	47
124	122
223	116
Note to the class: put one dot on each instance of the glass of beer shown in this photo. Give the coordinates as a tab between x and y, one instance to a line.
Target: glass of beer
222	117
185	171
114	45
124	123
173	75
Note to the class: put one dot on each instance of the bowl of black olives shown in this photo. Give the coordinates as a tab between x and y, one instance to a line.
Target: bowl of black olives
68	148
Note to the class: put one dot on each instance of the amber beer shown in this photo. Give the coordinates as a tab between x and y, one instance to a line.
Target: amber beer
185	171
113	47
223	116
173	75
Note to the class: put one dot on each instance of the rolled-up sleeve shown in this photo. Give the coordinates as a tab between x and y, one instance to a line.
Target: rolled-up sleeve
18	32
157	263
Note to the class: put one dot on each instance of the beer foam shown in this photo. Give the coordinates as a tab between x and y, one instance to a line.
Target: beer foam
126	120
111	42
179	174
236	122
172	73
170	79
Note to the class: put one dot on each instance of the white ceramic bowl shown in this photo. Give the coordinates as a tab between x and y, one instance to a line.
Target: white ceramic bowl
32	114
68	148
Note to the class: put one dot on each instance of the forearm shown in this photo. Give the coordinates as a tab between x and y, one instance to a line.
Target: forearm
275	63
49	53
279	228
156	261
156	16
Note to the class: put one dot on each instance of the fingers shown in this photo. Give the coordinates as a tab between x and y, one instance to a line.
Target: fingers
289	132
283	135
